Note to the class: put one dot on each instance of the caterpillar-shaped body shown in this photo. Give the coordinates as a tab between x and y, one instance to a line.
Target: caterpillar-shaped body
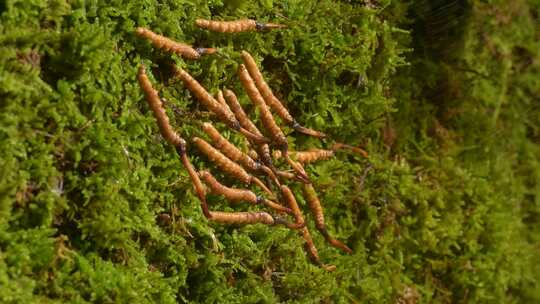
308	156
265	90
236	26
158	111
271	100
222	161
242	217
169	45
232	194
236	108
293	205
229	149
316	208
205	98
171	136
238	195
227	165
266	117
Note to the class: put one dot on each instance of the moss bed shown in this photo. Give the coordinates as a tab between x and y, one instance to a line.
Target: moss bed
444	95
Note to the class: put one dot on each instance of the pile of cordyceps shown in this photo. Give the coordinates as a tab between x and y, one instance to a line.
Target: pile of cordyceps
255	167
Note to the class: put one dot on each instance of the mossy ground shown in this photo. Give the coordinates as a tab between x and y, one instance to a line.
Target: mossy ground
95	207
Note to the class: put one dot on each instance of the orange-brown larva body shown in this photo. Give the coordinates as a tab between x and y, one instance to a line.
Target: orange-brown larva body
232	194
206	99
227	165
156	106
214	106
239	113
308	156
229	149
172	137
266	117
236	108
316	208
167	44
268	120
271	100
236	26
293	205
237	195
222	161
264	89
223	103
242	217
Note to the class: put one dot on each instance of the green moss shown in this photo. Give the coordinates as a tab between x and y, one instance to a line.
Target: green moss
95	207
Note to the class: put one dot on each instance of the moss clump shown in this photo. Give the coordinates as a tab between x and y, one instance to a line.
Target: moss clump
94	207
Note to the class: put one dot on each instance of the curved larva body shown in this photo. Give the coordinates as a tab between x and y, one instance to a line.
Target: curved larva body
232	194
168	133
222	161
224	104
264	149
293	205
242	217
238	195
271	100
236	26
239	113
316	208
164	43
229	149
314	205
267	119
269	97
197	184
156	106
206	99
308	156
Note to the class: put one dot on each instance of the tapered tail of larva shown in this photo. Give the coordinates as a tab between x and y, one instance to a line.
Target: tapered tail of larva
274	205
232	194
340	146
169	45
293	205
332	241
297	167
261	185
269	26
243	218
236	26
270	174
257	139
307	131
312	251
199	188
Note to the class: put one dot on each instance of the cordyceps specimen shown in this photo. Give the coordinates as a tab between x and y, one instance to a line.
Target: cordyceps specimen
228	166
170	135
235	154
214	106
271	100
179	143
276	134
169	45
237	26
254	167
239	195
